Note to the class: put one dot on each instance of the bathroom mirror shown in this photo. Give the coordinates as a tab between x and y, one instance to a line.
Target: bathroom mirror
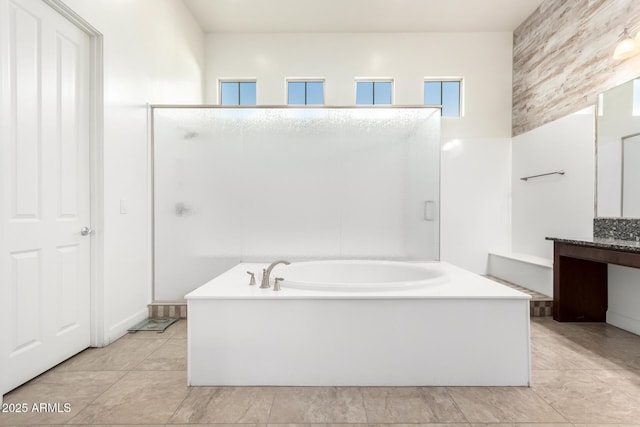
618	152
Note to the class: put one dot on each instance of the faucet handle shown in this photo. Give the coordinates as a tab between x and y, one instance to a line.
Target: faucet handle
276	285
252	280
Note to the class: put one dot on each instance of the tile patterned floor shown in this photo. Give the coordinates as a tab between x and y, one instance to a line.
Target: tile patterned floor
535	296
541	305
583	374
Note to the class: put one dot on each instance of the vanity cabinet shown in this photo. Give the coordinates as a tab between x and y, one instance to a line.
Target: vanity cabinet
580	275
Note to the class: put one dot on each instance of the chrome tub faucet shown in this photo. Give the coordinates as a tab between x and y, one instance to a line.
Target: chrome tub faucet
267	272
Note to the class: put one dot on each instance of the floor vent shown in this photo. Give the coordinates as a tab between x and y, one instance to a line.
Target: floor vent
540	306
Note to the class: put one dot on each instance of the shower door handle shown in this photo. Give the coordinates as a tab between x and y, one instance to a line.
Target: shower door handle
429	210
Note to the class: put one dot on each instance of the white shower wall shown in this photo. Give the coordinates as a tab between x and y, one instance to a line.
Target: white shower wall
555	205
257	184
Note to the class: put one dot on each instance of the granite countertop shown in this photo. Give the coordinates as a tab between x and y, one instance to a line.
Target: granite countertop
601	242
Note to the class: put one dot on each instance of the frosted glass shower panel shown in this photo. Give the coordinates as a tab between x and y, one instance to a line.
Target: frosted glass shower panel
198	188
292	162
390	161
256	184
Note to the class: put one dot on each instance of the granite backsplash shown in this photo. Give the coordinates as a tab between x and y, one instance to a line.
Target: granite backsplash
617	228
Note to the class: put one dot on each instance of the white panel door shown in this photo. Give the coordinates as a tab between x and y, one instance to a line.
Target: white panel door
44	192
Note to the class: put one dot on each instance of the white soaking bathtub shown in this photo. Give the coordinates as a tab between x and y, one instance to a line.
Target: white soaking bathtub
358	323
359	276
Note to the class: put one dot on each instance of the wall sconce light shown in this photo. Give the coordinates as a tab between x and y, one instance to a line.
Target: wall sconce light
627	46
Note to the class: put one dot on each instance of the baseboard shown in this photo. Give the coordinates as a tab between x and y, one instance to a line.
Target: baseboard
120	328
624	322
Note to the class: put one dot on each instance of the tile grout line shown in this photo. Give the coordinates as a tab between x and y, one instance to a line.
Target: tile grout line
273	399
453	399
168	422
551	405
364	405
68	422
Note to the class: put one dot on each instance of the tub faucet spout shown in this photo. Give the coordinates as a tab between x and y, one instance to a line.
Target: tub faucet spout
267	273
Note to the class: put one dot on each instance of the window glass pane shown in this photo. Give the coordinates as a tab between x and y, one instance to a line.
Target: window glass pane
451	99
432	94
382	93
247	93
315	93
295	93
364	93
229	93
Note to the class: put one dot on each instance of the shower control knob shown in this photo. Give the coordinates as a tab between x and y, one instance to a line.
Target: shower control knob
85	231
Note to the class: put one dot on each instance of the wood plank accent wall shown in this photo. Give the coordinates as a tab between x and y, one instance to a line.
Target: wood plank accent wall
563	58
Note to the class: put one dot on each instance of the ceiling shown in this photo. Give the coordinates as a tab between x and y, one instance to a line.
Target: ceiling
285	16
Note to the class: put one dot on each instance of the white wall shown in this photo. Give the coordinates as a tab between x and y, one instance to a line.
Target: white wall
153	53
475	178
624	298
556	205
482	59
476	200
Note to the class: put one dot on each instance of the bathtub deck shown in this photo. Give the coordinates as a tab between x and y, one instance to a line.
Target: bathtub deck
467	331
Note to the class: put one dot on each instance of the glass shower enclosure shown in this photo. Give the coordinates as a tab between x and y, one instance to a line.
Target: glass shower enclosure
255	184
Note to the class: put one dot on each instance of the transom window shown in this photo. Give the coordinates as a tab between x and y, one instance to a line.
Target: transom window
305	92
374	92
445	93
237	93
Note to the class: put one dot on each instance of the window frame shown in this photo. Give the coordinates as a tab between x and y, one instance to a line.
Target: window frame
305	80
441	80
373	94
236	80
